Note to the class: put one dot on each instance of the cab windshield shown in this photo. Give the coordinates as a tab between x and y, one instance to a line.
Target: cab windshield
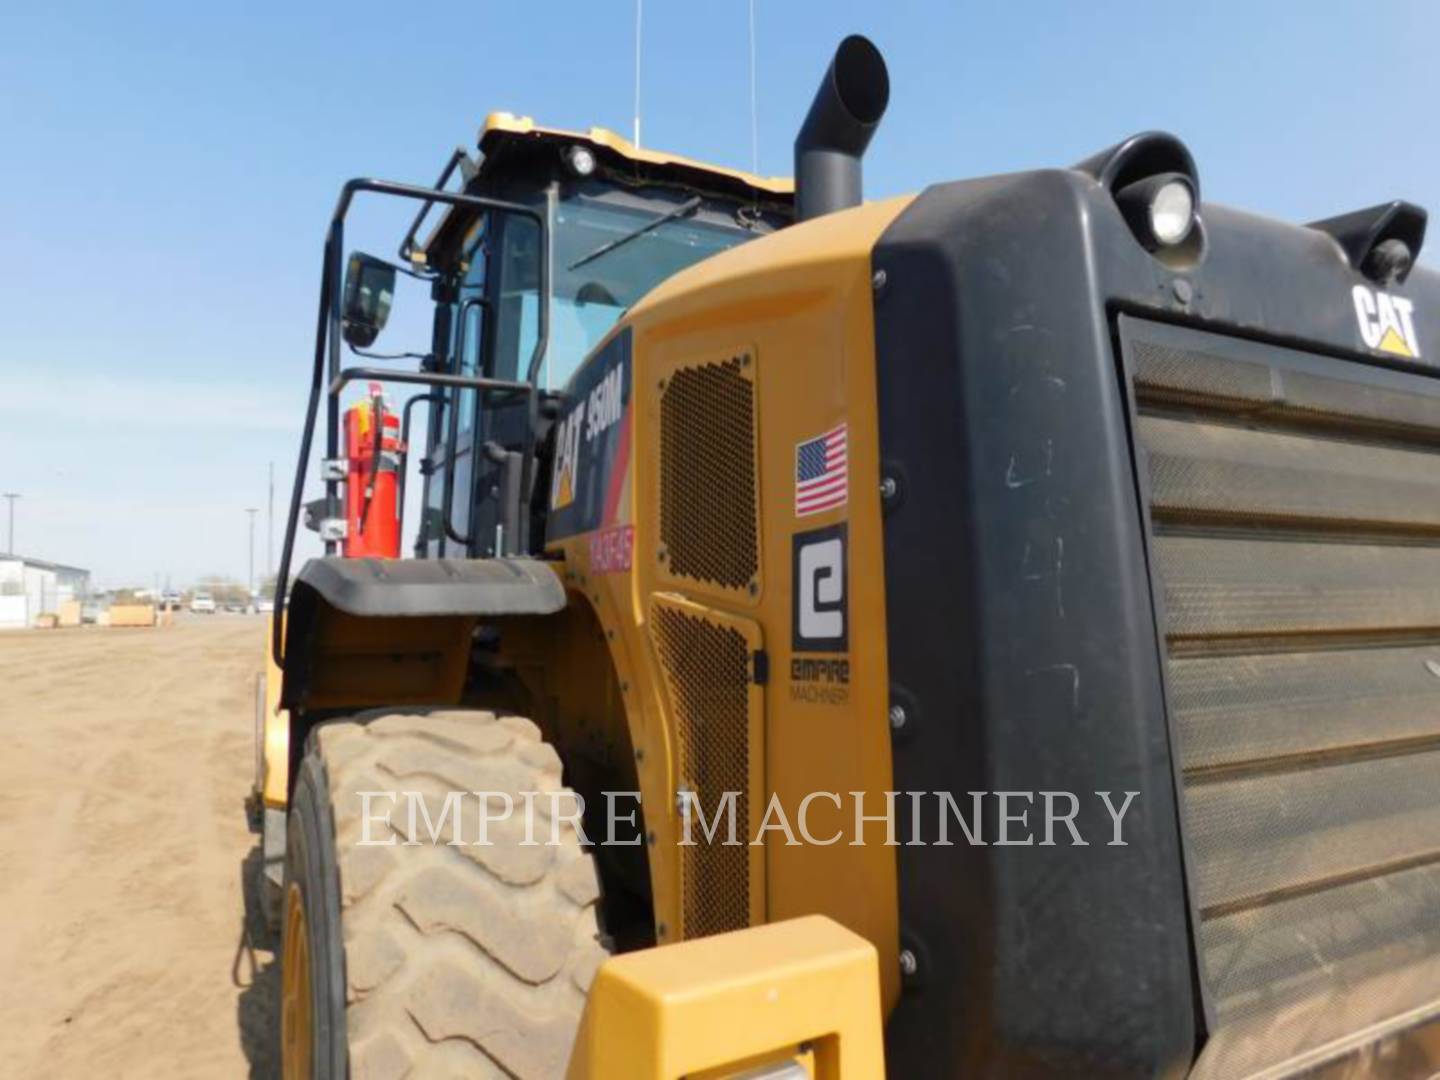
608	252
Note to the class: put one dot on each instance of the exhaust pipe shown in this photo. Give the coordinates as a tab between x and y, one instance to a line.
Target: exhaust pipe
842	118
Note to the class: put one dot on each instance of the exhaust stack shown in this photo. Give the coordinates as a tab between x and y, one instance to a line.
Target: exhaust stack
842	118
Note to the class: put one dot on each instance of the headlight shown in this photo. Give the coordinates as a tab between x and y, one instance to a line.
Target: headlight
1172	212
581	160
1159	209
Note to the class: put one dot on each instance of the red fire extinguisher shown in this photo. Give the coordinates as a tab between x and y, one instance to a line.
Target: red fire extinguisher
372	448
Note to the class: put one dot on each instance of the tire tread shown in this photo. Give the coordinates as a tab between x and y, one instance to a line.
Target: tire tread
457	954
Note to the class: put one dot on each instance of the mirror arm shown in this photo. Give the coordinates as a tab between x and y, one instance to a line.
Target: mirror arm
418	275
423	357
401	268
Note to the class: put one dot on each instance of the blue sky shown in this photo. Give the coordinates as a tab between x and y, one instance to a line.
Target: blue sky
166	171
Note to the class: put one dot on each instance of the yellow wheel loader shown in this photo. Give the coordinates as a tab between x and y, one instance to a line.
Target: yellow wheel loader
989	632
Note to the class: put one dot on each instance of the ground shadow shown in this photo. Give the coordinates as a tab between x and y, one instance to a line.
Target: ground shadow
256	971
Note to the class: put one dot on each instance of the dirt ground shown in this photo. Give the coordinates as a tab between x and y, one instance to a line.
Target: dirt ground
127	756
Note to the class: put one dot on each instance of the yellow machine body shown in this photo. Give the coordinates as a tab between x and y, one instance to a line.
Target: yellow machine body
794	310
653	641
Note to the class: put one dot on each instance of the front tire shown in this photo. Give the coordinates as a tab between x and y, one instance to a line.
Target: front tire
427	958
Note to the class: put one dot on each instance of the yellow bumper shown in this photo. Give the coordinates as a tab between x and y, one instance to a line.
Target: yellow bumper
804	992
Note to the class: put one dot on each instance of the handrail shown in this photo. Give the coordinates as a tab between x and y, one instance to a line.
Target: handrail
426	378
327	359
297	491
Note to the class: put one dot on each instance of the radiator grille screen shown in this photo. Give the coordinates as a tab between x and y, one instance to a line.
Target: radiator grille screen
708	508
1295	503
707	669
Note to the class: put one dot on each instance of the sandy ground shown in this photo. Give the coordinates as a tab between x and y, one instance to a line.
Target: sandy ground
127	756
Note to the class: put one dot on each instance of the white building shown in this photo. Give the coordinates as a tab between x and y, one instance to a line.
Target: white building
32	587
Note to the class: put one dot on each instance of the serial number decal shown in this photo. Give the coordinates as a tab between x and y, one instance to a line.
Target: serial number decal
612	550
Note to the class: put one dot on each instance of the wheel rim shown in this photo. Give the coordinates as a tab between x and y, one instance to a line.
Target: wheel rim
296	1028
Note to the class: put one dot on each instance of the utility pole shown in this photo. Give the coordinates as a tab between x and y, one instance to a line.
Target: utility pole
250	589
11	496
270	526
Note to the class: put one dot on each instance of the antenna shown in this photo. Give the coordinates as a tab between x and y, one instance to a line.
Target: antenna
754	101
639	6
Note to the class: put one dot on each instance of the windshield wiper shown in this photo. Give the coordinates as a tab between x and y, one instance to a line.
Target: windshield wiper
689	206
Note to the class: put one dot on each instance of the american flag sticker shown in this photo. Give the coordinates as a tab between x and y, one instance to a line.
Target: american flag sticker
822	472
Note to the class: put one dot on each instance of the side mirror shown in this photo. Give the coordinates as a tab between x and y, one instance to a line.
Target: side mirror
369	289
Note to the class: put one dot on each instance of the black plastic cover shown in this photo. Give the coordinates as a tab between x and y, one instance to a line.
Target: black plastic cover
1022	645
1022	636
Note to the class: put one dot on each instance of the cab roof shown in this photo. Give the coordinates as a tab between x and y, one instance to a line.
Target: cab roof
506	138
500	126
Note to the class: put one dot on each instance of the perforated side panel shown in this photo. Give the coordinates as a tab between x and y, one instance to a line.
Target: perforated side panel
1295	504
708	505
707	671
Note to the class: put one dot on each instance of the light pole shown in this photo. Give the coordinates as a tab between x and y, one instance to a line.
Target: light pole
250	589
11	496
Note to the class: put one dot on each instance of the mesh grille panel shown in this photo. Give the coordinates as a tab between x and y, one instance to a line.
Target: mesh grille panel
1297	559
1238	587
1245	710
707	668
1190	376
1215	472
1193	377
1306	973
707	474
1262	836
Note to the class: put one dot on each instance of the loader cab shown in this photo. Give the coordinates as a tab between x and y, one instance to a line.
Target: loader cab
619	221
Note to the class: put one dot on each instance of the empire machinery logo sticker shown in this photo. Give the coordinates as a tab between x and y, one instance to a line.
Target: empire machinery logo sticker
1387	322
821	617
